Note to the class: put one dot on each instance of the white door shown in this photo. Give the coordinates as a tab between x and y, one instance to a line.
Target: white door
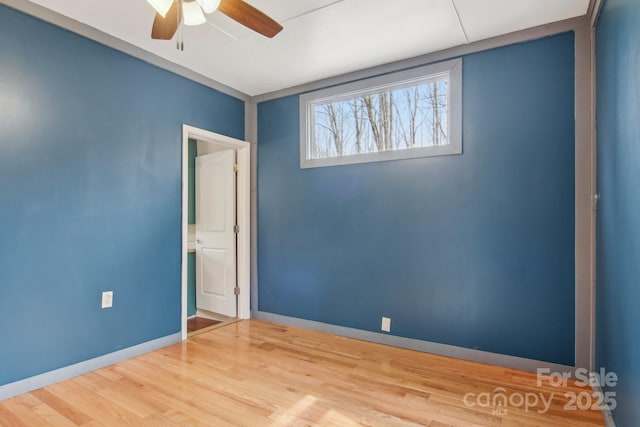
215	234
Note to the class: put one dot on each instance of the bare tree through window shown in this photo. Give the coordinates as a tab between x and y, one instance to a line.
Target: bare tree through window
405	114
394	119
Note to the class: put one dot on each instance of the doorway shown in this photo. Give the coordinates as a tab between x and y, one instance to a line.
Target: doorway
222	251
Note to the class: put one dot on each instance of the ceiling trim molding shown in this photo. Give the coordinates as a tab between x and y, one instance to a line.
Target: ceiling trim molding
442	55
103	38
593	11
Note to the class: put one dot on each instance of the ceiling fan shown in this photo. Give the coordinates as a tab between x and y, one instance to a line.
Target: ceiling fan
170	13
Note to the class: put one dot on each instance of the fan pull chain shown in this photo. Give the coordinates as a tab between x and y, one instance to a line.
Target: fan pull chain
180	35
178	24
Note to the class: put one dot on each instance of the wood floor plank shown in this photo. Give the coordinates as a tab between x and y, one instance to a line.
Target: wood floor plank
255	373
106	412
63	407
9	419
24	412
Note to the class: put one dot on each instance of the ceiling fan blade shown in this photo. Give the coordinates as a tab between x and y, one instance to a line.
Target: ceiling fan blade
250	17
165	28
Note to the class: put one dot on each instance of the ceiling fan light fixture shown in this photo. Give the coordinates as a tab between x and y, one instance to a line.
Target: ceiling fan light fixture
192	13
161	6
209	6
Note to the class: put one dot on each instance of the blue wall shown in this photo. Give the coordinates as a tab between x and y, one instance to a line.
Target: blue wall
474	250
191	198
90	173
618	216
192	308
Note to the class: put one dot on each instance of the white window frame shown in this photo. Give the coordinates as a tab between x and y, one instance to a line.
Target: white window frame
407	78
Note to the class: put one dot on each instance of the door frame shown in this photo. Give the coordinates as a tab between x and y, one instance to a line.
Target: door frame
243	197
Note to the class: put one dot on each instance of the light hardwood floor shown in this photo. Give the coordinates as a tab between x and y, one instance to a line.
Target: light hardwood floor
255	373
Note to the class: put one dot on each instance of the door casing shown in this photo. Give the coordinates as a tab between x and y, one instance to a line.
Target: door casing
243	214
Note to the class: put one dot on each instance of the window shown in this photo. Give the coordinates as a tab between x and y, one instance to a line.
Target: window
413	113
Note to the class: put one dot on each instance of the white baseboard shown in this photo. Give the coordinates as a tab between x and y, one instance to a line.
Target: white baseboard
606	413
504	360
24	386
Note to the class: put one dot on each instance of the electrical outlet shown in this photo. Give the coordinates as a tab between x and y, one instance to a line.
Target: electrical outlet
386	324
107	299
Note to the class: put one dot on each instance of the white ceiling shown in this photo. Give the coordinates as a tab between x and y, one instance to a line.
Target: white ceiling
321	38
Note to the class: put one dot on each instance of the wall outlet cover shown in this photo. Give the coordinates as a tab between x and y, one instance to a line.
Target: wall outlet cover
107	299
386	324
